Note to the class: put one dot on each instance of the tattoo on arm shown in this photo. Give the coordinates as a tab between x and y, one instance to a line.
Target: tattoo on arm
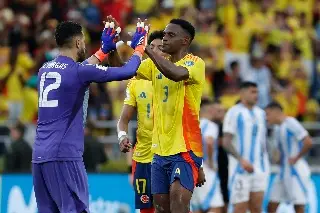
228	146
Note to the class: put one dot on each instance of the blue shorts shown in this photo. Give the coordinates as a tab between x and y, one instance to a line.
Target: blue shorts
142	185
166	169
61	187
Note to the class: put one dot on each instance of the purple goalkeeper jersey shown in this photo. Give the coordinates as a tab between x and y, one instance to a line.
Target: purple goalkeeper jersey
63	99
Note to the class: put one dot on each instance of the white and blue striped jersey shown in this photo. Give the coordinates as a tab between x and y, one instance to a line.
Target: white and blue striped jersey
248	127
289	136
209	129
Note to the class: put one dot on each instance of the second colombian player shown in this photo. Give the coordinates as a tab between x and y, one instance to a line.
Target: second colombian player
139	99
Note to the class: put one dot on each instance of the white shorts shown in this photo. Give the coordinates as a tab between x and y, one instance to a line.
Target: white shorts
241	185
209	195
290	189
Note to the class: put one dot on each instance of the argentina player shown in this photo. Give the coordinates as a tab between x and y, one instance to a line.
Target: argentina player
244	129
293	141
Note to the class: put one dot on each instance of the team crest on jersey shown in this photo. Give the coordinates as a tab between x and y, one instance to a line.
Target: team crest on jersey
143	95
144	199
189	63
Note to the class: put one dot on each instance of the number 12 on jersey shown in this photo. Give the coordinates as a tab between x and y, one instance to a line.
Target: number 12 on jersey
43	93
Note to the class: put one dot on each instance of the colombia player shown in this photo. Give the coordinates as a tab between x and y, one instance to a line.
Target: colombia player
139	99
176	138
59	176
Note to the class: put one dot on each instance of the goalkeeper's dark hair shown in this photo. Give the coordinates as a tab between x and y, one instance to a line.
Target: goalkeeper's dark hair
65	32
274	105
187	26
158	34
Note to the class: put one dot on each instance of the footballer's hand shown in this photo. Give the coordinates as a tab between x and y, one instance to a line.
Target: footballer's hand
117	39
201	178
293	160
109	35
246	165
140	37
125	144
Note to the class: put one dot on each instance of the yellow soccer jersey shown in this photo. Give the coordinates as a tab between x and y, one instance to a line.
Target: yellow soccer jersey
176	107
139	95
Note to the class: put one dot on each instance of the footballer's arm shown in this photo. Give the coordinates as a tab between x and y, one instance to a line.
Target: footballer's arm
122	127
127	113
167	68
307	145
229	147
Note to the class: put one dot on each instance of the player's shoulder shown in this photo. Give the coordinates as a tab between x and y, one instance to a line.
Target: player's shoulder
147	61
190	60
207	124
132	82
259	110
235	109
291	121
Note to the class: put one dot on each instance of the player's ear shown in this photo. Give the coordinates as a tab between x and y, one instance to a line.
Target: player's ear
78	43
185	40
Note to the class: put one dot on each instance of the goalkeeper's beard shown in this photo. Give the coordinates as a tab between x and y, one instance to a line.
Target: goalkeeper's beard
81	54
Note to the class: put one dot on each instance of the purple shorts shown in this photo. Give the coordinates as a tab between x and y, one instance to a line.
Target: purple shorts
61	187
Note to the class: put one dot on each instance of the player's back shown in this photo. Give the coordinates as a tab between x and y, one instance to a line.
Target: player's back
249	135
62	102
289	135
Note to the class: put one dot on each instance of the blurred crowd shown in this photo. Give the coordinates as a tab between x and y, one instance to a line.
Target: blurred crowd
274	43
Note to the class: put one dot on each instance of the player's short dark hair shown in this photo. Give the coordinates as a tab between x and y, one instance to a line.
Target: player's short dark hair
65	31
248	84
274	105
158	34
187	26
205	102
216	101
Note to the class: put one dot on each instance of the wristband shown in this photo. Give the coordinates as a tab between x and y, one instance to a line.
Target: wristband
201	164
140	49
119	44
121	134
100	55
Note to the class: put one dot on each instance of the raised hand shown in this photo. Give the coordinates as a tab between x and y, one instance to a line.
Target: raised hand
140	37
109	34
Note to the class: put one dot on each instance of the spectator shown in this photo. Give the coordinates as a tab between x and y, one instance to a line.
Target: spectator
231	92
289	100
94	153
218	50
259	74
19	153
